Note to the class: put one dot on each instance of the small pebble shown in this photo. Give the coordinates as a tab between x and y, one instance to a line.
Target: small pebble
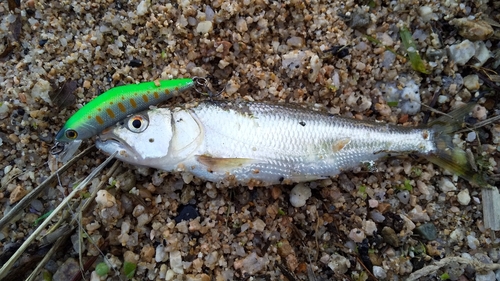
486	276
482	53
369	227
479	112
462	52
446	185
390	236
418	215
472	242
457	235
142	8
357	235
463	197
204	27
299	195
428	231
475	30
251	264
471	136
258	225
187	212
379	272
17	194
105	199
404	196
339	264
373	203
176	262
471	82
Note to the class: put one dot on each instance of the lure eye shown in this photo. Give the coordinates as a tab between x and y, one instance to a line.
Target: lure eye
137	123
71	134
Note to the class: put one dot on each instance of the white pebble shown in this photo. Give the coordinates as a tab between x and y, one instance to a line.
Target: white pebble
105	199
464	197
373	203
176	262
369	227
241	25
461	53
204	27
379	272
471	82
295	41
316	65
142	8
41	90
418	215
472	242
446	185
357	235
299	195
4	110
482	53
486	276
457	235
479	112
258	225
426	14
251	264
471	136
339	264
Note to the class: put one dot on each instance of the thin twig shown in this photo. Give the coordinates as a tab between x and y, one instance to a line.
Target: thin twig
12	214
7	266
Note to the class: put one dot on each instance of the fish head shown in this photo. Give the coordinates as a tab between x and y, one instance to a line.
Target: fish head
140	139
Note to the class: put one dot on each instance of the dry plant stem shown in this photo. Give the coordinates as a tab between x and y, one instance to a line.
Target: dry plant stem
71	226
10	216
431	269
6	267
46	258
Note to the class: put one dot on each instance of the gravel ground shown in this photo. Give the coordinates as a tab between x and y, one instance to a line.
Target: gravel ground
384	222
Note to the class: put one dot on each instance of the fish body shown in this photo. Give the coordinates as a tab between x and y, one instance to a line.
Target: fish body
115	104
253	143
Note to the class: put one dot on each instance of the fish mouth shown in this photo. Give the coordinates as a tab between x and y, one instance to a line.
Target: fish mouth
110	144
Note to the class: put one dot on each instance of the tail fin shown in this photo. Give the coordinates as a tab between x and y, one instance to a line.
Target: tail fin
448	155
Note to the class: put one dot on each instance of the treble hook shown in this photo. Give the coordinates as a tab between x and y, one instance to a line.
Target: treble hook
57	148
204	87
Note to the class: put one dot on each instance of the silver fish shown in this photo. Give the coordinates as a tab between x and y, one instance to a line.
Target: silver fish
253	143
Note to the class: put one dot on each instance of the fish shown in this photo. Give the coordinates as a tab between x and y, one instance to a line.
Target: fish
261	144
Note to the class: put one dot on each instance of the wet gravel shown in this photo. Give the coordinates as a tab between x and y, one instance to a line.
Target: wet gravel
382	222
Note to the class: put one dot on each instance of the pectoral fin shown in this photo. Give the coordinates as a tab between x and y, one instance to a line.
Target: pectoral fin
217	164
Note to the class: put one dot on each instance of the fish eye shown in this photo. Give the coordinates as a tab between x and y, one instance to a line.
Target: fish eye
137	123
71	134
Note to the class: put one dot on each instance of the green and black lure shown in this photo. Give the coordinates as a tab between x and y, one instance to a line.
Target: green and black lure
114	105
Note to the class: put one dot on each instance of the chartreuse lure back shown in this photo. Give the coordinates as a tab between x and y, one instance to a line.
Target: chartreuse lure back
115	104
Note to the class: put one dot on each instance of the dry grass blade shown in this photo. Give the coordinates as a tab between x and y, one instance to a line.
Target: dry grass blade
431	269
69	228
491	208
60	241
482	124
6	267
9	217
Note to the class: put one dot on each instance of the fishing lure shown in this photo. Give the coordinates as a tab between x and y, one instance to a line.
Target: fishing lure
253	143
114	105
